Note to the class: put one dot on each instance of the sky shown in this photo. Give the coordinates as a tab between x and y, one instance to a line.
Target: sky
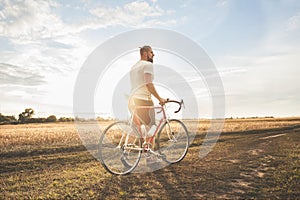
254	45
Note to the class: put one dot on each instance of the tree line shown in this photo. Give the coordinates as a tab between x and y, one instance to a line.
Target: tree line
26	117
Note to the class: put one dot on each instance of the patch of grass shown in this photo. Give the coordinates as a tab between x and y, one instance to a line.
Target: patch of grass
48	161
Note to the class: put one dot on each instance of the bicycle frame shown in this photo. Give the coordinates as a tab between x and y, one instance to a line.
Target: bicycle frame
134	120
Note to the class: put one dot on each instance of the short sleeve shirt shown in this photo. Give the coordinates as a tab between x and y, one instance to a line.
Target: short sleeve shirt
138	84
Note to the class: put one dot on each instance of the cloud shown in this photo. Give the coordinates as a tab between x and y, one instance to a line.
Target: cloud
29	20
32	20
41	39
293	23
221	3
134	14
14	75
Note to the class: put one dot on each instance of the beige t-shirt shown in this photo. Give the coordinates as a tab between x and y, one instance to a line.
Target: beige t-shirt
138	84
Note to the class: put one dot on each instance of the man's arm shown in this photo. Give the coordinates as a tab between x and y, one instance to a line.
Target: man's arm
151	88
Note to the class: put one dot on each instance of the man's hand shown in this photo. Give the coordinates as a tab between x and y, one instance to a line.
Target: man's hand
162	101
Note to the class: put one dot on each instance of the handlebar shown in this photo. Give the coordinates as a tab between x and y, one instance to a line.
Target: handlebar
180	103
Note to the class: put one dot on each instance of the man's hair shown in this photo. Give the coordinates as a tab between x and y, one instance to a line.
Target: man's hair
144	49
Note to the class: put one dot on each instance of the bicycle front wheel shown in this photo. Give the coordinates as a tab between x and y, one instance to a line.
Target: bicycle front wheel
173	141
120	148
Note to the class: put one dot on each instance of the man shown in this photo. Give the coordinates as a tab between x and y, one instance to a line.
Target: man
141	77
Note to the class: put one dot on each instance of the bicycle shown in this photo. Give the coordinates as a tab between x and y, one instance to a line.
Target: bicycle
122	143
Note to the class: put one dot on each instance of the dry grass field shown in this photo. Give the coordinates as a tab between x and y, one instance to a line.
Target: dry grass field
253	158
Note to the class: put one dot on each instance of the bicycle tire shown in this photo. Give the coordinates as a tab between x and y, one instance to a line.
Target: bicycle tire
117	156
173	141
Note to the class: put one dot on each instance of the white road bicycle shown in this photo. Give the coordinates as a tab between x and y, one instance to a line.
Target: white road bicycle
122	143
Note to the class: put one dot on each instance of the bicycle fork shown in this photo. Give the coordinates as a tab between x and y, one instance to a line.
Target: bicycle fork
170	133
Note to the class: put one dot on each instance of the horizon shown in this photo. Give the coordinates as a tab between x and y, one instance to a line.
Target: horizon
110	117
254	45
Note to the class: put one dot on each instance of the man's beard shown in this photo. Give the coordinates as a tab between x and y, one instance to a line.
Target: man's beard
150	59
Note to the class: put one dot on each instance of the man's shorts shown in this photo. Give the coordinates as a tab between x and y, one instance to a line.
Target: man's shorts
145	115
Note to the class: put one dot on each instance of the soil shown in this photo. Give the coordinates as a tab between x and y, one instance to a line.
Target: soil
262	162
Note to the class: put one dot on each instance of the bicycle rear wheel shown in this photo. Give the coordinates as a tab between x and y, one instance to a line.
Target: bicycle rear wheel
120	148
173	141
